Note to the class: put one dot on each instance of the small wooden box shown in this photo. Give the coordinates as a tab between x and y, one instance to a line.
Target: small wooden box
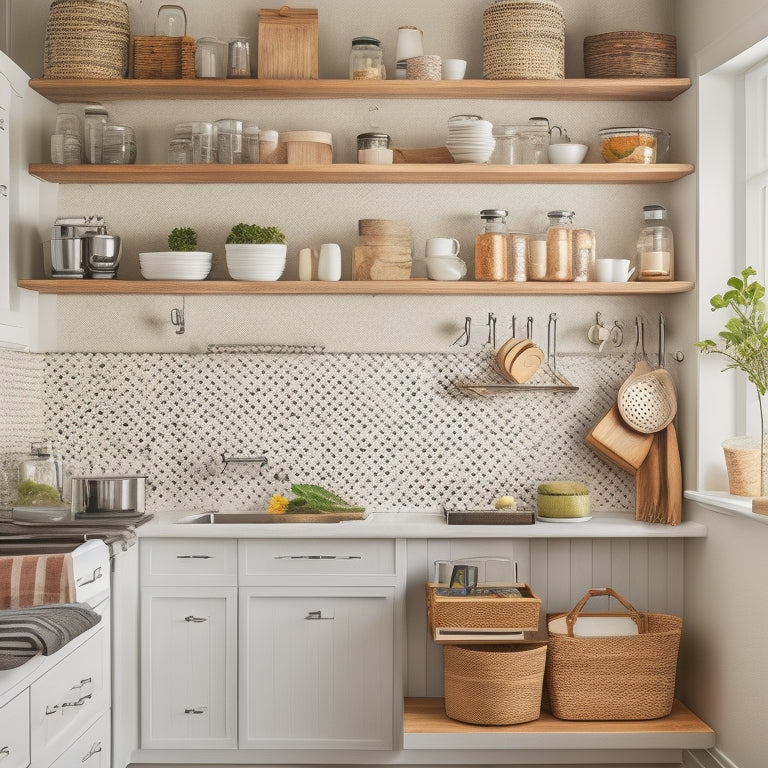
288	44
163	58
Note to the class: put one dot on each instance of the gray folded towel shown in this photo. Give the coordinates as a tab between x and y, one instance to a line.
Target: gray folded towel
41	629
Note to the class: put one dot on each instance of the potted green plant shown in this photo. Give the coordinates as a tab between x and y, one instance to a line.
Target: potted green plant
182	239
255	252
182	262
744	345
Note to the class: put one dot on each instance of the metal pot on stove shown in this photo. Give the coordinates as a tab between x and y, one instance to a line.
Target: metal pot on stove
115	495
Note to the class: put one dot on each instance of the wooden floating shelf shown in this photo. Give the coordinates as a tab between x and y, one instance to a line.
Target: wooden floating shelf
415	287
354	173
574	89
426	726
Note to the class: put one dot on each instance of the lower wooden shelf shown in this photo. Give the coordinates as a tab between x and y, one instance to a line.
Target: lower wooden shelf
426	726
359	287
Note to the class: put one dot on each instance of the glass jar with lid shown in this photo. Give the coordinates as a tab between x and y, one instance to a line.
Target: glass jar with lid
210	58
40	477
560	246
366	59
655	246
491	246
93	127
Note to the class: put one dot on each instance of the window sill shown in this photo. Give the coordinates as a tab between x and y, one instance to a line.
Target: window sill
726	504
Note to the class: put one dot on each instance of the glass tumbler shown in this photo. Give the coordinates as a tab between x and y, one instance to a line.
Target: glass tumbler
119	145
180	151
229	141
250	142
210	58
238	58
202	142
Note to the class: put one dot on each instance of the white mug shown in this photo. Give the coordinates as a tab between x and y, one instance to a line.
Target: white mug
445	267
442	246
613	270
329	262
410	42
454	69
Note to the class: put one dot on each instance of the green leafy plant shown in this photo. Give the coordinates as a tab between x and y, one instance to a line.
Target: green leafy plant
183	239
744	343
254	234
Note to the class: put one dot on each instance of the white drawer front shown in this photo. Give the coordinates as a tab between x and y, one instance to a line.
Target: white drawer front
69	697
181	562
291	561
91	750
14	732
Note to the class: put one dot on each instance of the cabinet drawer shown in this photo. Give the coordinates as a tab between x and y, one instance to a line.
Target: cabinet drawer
69	697
181	562
14	732
291	561
91	750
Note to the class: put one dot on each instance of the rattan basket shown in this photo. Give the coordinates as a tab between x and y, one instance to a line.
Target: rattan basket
630	54
163	58
523	40
86	39
743	464
497	613
615	677
494	684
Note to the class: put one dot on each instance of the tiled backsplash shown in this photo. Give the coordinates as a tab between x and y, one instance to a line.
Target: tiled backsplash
389	431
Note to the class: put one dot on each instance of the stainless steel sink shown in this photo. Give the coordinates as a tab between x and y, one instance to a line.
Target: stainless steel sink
261	518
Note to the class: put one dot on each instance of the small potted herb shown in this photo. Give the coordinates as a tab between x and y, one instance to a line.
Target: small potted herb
255	252
182	262
744	345
182	239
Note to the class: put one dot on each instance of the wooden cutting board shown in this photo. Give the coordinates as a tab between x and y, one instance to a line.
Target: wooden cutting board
619	443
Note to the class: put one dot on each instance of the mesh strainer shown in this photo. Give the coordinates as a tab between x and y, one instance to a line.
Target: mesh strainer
648	403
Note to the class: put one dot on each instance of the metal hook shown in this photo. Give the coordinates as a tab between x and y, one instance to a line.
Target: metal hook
552	341
492	329
465	333
662	341
529	328
177	317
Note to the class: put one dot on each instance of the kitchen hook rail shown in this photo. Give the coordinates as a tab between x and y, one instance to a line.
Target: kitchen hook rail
551	380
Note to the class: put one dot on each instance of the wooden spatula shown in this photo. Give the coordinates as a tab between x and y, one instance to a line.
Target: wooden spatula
674	481
648	484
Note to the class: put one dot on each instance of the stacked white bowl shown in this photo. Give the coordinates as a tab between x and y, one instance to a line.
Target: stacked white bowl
256	262
470	139
176	265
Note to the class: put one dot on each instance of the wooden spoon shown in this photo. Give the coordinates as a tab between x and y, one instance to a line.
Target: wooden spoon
674	483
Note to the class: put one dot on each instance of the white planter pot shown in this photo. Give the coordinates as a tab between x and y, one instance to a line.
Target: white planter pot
259	262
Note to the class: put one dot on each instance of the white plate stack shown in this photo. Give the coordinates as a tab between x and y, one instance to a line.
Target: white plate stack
470	139
176	265
256	262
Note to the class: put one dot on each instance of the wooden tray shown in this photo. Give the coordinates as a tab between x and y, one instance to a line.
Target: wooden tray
519	516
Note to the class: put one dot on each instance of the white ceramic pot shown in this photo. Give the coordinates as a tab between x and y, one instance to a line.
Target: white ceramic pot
256	261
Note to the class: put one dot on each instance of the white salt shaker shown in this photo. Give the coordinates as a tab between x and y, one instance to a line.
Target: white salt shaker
329	262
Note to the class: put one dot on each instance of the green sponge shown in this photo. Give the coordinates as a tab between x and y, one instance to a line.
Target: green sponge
563	498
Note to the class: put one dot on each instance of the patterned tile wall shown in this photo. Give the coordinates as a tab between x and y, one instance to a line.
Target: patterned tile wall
390	431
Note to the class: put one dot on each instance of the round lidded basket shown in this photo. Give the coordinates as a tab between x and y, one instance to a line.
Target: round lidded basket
86	39
630	54
523	40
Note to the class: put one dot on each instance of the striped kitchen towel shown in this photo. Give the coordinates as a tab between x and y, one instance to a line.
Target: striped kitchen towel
27	580
42	629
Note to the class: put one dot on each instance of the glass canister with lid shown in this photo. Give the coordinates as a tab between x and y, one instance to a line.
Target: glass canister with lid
560	246
366	59
491	246
41	480
655	246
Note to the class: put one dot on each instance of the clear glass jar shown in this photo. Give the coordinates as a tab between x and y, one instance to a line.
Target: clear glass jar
366	59
251	135
180	151
491	246
583	266
119	145
95	119
210	58
239	58
517	257
560	246
229	141
537	256
40	477
368	146
515	145
202	142
655	246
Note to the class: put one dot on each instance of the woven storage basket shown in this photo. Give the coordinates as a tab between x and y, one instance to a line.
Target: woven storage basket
483	612
523	40
743	463
159	57
630	54
494	684
617	677
86	39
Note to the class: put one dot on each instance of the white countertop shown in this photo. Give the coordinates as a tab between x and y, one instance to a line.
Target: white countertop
419	525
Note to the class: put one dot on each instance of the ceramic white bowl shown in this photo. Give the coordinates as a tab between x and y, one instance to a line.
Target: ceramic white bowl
567	153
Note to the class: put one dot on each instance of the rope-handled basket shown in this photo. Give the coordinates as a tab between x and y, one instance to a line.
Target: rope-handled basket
613	677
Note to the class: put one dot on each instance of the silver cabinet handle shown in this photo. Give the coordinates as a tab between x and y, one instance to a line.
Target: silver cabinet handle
95	576
318	557
94	750
195	619
195	710
3	190
194	557
317	616
51	709
5	751
2	123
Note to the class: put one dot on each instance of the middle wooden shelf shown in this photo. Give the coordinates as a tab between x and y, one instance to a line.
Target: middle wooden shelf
354	173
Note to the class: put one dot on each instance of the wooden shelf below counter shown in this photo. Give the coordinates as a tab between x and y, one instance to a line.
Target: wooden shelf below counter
426	726
421	287
355	173
572	89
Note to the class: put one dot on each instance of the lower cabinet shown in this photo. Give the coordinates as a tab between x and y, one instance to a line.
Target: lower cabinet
14	732
316	667
91	750
189	667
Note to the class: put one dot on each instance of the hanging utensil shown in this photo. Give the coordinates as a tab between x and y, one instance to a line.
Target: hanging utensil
615	441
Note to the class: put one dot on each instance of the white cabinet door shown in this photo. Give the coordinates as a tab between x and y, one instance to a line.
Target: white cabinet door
189	668
316	667
91	750
14	732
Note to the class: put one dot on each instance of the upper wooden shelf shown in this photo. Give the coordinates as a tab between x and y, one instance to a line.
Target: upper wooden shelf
359	287
587	89
353	173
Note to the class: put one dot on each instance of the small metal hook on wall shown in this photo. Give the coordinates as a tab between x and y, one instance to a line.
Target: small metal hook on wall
465	335
177	317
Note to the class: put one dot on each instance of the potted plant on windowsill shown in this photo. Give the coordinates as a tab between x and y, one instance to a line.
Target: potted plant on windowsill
744	344
255	252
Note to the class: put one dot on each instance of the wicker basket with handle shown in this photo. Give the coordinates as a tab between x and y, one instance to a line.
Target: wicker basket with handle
523	40
613	677
86	39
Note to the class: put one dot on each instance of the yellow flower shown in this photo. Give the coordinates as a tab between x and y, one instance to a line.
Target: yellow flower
277	505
